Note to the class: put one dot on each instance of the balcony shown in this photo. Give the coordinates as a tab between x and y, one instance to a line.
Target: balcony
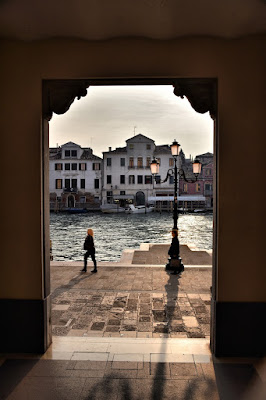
70	190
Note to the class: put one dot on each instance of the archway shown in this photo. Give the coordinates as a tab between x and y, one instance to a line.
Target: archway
58	95
71	201
140	199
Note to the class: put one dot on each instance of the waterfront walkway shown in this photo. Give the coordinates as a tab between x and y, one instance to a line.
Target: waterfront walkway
135	297
131	332
121	301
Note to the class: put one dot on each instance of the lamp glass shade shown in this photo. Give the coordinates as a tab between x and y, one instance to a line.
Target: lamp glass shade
154	167
196	167
175	148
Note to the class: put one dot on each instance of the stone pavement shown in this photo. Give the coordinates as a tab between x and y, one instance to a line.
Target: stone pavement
130	302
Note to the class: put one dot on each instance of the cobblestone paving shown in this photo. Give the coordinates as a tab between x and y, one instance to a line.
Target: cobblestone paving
131	302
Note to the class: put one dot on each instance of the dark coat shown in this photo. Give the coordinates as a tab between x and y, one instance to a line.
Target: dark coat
89	245
174	248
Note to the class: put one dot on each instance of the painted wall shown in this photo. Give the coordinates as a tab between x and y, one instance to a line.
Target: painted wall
239	67
139	150
89	174
203	179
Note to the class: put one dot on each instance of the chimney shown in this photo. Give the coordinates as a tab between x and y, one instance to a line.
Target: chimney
110	148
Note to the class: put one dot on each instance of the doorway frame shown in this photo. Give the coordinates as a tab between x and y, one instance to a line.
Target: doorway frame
57	97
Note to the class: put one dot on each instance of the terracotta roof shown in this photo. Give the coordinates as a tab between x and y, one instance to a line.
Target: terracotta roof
117	150
162	149
139	136
205	155
88	155
55	153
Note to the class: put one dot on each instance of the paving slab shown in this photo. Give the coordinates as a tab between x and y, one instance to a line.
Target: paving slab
143	299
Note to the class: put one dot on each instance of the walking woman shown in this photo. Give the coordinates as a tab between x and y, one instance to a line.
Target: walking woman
90	251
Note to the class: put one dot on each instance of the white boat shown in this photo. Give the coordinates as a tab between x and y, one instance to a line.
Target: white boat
111	208
131	209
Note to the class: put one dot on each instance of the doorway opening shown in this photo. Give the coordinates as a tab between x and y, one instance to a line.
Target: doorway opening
114	194
71	201
140	199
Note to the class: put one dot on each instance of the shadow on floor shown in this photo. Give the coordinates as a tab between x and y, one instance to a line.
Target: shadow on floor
238	381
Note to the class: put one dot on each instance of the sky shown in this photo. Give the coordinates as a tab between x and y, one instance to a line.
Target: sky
109	115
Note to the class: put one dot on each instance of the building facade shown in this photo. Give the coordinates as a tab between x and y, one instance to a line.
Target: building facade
75	178
127	175
200	193
80	180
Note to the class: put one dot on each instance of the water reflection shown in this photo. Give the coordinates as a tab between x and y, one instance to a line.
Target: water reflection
115	232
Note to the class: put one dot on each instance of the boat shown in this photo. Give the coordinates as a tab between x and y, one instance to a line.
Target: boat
131	209
111	208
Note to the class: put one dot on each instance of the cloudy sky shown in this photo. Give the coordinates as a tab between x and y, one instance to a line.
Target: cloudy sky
109	115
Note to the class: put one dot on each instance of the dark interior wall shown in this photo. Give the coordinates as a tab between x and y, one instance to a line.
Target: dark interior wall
239	67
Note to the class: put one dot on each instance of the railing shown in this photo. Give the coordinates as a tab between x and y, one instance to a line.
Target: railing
70	190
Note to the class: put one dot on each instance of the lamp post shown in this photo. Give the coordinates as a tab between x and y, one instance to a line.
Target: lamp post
175	146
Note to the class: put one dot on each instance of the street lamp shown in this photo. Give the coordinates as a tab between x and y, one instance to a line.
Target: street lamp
173	171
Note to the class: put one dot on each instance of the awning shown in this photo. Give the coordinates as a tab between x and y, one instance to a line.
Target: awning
179	198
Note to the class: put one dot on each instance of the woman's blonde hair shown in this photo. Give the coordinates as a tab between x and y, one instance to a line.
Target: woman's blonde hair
90	232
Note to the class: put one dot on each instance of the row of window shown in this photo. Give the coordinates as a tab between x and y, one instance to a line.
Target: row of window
185	187
208	187
131	146
74	166
71	153
140	163
73	183
132	179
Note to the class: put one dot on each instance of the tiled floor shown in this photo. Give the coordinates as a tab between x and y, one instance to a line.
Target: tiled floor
130	369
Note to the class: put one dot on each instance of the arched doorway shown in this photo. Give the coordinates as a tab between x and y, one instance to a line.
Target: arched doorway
71	201
140	199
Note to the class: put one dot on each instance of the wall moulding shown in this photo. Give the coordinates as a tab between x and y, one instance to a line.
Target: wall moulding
59	94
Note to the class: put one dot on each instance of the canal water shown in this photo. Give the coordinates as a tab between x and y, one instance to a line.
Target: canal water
115	232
